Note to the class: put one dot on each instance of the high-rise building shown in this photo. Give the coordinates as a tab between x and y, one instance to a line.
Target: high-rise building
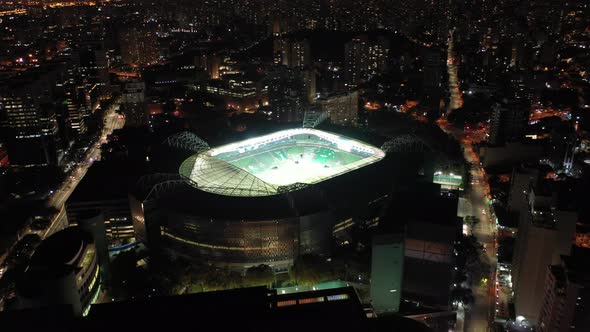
213	64
309	76
544	233
300	54
342	108
92	67
509	121
28	121
387	265
292	53
364	58
433	70
356	60
426	254
286	94
133	104
566	299
75	107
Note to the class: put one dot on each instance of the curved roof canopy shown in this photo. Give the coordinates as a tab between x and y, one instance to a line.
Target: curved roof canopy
267	165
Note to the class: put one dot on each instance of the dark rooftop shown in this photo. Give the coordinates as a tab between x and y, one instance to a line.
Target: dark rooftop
54	255
244	309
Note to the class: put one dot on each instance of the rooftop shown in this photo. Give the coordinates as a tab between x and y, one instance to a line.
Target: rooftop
244	309
61	250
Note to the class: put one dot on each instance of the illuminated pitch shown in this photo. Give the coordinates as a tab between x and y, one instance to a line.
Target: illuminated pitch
269	164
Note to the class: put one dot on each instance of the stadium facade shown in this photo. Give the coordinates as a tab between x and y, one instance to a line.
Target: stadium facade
261	200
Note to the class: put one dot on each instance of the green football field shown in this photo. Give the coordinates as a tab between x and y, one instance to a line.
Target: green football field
288	165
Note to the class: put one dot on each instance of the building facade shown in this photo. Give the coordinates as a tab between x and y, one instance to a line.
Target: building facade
341	108
63	270
509	121
387	266
364	58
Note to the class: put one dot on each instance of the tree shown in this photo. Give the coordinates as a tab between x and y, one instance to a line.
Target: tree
261	275
464	295
309	270
471	221
219	279
127	280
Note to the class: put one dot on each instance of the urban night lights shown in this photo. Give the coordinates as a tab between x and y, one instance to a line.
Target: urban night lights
295	165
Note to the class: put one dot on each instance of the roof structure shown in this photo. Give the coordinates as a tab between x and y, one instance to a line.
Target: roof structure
272	164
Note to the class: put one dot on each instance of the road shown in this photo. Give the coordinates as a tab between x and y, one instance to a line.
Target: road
57	200
456	98
480	316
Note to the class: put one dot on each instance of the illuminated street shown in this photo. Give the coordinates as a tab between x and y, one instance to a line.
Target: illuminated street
61	194
482	312
367	165
456	99
480	316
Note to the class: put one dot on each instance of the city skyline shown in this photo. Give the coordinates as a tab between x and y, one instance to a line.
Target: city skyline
416	161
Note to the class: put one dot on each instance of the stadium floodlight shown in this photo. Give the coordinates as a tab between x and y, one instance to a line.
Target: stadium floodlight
266	165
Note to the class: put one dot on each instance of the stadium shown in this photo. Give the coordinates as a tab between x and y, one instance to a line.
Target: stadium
262	200
271	164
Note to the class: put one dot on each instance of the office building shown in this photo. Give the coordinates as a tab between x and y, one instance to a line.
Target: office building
237	92
28	120
73	108
92	66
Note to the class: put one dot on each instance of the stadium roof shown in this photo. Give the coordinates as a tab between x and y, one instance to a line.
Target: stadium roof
219	170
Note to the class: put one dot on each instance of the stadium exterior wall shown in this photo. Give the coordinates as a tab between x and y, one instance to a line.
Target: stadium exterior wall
234	242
